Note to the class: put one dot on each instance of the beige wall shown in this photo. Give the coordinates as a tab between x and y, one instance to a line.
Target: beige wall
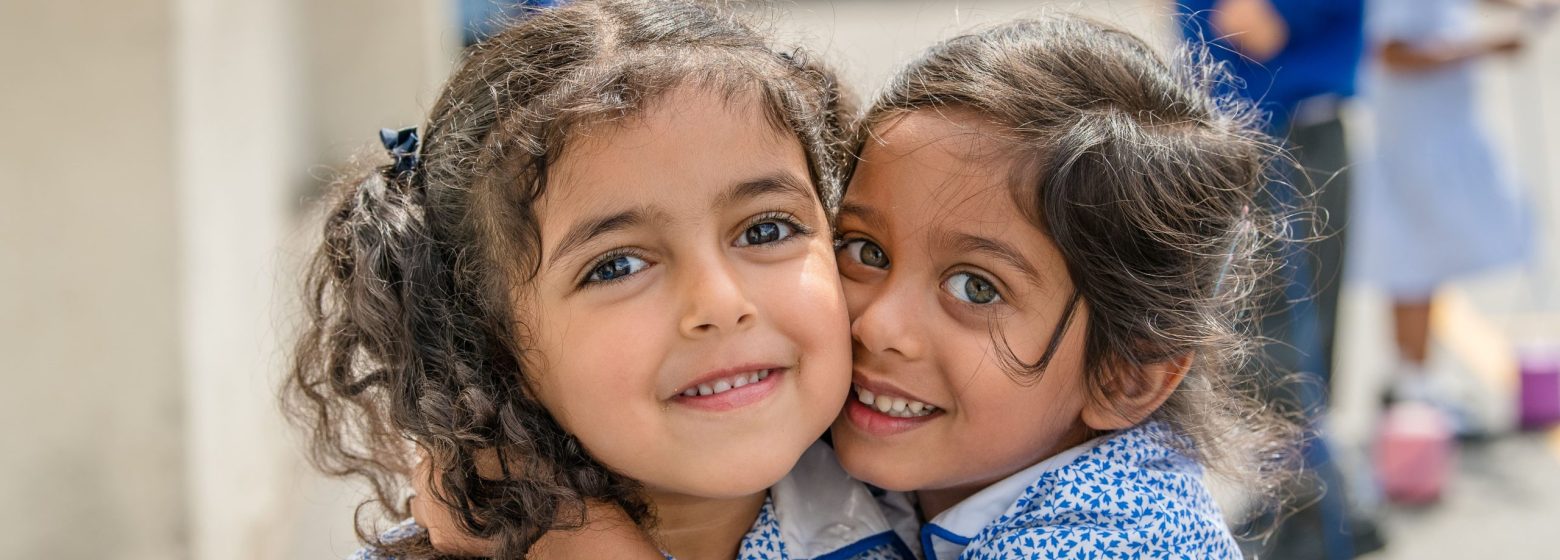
154	159
92	462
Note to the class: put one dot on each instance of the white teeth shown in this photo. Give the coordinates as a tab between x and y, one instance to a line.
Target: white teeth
723	385
894	406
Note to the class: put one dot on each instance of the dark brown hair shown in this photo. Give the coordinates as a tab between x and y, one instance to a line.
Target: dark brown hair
411	333
1152	187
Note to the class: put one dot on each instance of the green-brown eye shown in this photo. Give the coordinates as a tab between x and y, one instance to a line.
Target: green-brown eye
972	288
865	252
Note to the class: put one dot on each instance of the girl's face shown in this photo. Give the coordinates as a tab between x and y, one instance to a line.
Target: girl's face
936	257
688	319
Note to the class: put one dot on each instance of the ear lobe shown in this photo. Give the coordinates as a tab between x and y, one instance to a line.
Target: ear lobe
1127	399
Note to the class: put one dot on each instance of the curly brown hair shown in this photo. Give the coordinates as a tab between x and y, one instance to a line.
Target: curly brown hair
411	334
1158	193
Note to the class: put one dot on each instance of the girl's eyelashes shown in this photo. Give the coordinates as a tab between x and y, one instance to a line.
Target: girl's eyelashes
972	288
770	227
612	268
864	252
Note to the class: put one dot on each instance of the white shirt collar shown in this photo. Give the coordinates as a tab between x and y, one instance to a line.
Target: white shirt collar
821	509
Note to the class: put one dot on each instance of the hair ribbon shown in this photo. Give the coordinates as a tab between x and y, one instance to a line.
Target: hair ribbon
402	146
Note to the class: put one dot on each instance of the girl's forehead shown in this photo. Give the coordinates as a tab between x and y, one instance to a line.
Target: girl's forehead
691	133
951	132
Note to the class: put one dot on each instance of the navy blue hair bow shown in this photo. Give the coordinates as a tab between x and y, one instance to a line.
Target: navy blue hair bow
402	145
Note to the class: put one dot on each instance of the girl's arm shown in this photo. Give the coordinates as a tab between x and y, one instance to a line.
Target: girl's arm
1406	57
608	532
1254	27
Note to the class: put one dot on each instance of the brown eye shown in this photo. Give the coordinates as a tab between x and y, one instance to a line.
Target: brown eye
865	252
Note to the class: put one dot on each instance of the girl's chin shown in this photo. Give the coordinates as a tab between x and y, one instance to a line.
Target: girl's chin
866	461
727	477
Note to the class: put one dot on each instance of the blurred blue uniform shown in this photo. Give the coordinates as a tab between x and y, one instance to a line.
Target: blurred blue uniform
481	18
1442	204
1326	40
1302	88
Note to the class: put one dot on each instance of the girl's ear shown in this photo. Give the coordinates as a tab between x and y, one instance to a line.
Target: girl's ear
1125	400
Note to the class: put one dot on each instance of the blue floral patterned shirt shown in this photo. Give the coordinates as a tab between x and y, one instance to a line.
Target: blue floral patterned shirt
1126	495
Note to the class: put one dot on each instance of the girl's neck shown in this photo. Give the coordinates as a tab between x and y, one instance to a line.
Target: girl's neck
935	501
691	528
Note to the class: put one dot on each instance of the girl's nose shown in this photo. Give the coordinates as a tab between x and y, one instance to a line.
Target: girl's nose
887	324
716	301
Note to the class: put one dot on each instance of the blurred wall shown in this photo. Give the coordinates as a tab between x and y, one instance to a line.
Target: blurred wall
156	158
93	455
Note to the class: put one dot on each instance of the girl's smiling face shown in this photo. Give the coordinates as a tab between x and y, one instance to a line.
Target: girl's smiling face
936	257
688	321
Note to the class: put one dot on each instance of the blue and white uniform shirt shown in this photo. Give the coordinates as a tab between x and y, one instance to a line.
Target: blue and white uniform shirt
817	512
1126	495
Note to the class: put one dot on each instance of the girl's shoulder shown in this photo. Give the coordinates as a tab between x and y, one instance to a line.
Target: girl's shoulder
402	532
1133	494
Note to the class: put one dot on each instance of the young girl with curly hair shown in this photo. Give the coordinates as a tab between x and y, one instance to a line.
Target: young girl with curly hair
601	291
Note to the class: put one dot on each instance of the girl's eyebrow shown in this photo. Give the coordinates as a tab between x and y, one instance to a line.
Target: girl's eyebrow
586	230
960	243
866	214
778	182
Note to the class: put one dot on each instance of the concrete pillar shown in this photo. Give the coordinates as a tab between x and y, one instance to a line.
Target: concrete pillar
89	311
156	159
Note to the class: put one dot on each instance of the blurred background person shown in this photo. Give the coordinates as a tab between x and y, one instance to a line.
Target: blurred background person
1298	59
1443	204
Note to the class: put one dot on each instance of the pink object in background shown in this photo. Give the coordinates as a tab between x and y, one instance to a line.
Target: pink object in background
1538	390
1414	453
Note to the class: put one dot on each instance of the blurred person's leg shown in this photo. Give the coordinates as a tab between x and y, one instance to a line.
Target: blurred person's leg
1301	324
1411	328
1411	332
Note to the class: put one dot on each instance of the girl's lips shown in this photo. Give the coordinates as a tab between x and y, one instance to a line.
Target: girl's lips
878	424
732	391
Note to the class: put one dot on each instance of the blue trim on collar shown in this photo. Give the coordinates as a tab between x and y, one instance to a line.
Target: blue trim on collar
874	541
900	546
929	530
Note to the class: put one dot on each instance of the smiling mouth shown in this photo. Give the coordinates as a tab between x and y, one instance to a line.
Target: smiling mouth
722	385
731	391
897	407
